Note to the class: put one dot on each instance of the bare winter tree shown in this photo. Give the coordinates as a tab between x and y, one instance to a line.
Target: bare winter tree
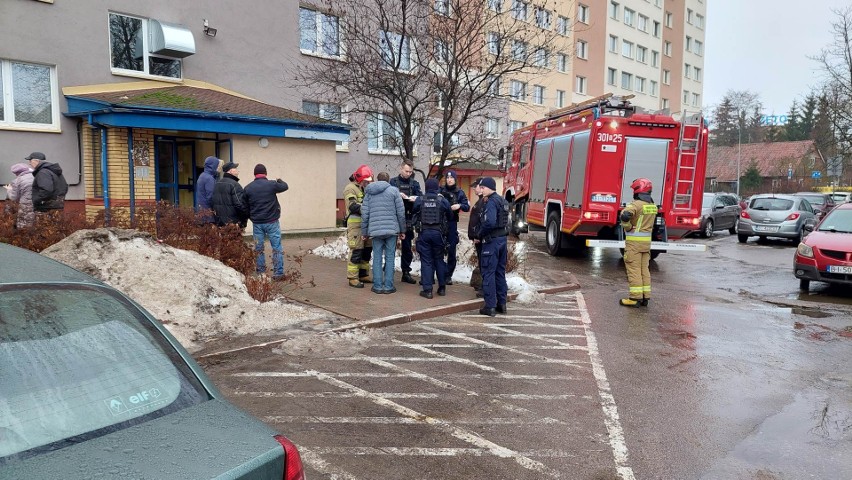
430	70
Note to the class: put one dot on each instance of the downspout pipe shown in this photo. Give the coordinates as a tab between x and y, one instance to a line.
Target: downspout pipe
104	171
132	174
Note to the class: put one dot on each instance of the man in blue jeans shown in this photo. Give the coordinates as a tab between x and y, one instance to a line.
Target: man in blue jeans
264	213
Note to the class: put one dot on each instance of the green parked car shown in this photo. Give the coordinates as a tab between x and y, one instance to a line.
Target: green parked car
92	386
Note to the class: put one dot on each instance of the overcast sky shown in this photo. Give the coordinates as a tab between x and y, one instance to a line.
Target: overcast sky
763	46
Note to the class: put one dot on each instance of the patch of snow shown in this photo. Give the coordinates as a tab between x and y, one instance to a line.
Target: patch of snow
337	250
194	296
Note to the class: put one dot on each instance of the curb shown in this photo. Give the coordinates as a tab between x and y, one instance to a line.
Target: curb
401	318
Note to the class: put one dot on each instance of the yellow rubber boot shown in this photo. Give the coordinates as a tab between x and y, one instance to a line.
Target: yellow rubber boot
629	302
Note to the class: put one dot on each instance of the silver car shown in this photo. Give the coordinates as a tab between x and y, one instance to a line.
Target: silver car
770	215
719	211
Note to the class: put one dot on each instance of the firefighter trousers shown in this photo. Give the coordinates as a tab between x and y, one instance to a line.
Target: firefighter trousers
637	256
360	250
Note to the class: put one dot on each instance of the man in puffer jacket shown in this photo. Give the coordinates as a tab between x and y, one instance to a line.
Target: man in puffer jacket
49	185
383	219
21	192
229	200
204	187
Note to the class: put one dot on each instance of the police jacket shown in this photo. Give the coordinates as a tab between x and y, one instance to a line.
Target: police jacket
49	187
229	201
205	184
382	213
455	196
411	188
432	212
493	220
473	223
261	195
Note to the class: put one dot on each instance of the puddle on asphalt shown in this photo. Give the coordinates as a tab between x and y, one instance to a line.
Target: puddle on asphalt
808	312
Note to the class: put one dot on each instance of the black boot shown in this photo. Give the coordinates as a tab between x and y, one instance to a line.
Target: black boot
406	277
644	302
487	311
501	308
426	294
442	291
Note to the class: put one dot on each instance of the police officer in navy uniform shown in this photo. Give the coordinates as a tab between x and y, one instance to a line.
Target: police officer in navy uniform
493	229
458	202
431	216
409	190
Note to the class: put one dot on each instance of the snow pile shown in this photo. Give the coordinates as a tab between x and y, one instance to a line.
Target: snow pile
192	295
336	250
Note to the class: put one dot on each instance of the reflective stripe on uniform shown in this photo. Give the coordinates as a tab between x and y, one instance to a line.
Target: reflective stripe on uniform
639	237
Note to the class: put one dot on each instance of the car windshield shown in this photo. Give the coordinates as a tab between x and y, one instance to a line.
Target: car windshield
839	197
771	204
837	221
814	199
78	362
707	201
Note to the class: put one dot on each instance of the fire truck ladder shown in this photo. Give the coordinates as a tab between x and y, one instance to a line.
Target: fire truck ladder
689	146
605	102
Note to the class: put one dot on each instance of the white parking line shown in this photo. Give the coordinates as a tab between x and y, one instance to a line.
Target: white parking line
290	419
312	458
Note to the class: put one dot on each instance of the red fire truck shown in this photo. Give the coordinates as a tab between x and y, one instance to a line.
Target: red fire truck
571	171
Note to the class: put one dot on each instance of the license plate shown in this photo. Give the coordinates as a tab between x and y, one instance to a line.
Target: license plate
839	269
761	228
602	198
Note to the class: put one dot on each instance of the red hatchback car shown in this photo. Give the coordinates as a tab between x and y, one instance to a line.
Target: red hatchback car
825	255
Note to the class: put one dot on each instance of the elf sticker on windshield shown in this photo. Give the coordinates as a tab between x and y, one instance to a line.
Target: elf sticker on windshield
128	403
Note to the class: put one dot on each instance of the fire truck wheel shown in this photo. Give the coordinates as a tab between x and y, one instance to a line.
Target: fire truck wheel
655	254
553	236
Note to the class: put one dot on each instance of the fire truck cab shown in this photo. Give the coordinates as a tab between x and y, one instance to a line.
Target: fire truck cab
571	171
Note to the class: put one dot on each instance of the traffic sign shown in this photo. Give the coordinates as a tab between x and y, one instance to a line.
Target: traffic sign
816	174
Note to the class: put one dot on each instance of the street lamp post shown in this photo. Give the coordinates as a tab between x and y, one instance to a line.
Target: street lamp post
739	148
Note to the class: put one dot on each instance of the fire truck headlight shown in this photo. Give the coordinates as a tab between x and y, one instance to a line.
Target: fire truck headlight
598	124
613	124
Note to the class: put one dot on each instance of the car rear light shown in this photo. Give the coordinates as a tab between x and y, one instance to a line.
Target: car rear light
293	469
745	215
793	216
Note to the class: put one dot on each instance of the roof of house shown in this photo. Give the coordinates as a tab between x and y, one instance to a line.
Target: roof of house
195	108
772	159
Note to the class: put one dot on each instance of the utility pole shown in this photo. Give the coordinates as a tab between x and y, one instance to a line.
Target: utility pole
739	148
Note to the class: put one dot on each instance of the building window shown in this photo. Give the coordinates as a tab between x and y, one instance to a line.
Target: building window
383	134
627	49
437	143
687	70
656	29
442	52
667	77
583	13
655	58
519	10
626	80
653	88
129	45
613	44
563	25
561	62
611	75
629	16
668	19
495	5
493	83
442	7
697	76
699	48
319	33
492	128
667	49
28	96
395	51
582	50
688	43
519	50
542	18
665	103
686	97
699	21
640	84
613	10
538	95
515	124
641	54
518	90
560	98
493	41
542	58
580	85
327	111
643	23
689	16
696	99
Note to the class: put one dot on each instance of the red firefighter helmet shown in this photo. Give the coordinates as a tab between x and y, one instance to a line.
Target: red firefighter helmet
641	185
363	173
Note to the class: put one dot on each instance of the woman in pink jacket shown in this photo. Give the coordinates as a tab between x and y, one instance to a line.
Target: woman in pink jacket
21	191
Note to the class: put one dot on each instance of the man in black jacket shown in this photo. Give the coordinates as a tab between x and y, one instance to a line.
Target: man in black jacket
264	212
229	201
49	186
409	190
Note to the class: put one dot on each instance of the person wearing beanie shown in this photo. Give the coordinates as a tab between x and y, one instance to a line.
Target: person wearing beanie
431	215
493	229
264	212
472	232
204	189
409	190
229	200
458	202
20	191
49	185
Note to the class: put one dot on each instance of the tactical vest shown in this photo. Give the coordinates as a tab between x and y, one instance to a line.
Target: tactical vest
502	228
503	215
452	199
430	211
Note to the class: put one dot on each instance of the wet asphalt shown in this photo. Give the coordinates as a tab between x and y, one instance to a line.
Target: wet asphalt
731	372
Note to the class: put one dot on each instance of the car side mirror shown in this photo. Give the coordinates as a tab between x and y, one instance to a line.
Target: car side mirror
718	207
808	227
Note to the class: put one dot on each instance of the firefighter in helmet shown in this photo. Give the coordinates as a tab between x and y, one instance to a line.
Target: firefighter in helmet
638	219
360	250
